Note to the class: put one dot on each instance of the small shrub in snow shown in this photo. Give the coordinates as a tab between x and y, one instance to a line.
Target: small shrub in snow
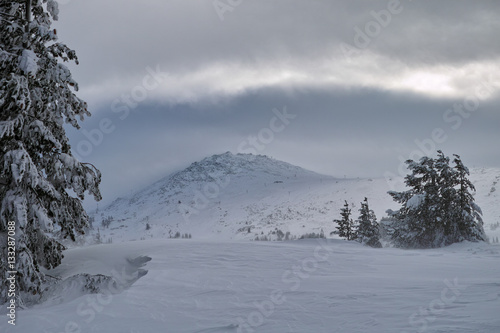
313	235
107	221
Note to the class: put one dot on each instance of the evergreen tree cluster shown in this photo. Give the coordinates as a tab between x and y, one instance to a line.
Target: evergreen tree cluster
179	235
438	209
364	230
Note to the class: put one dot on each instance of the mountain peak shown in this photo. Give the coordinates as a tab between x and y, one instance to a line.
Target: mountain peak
236	165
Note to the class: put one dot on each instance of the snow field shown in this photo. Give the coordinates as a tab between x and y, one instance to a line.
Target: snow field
300	286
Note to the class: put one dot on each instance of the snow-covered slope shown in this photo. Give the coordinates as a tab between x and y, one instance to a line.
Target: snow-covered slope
245	196
487	183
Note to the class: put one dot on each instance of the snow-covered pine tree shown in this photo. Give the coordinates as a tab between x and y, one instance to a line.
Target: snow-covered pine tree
37	168
467	214
417	219
447	195
345	226
367	231
438	209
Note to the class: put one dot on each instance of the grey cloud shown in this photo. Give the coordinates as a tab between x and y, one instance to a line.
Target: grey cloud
361	133
357	118
119	37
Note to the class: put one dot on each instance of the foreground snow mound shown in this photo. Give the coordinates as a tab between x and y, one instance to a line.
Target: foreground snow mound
76	286
281	287
93	270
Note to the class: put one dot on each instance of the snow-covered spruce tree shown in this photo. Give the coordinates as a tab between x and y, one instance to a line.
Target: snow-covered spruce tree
436	207
36	165
345	226
467	214
447	194
367	231
415	220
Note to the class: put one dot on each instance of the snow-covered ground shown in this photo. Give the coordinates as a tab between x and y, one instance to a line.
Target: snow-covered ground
298	286
220	281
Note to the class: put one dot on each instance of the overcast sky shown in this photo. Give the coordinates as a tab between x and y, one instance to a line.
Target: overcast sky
338	87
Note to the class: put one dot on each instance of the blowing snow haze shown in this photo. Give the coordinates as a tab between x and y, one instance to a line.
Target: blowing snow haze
369	84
